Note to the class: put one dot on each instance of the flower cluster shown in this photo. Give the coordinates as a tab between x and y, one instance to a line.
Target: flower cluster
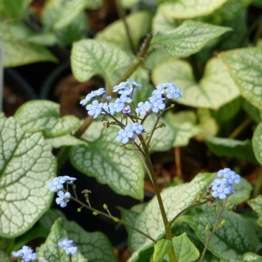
160	96
123	104
26	254
57	184
223	185
68	246
125	90
130	132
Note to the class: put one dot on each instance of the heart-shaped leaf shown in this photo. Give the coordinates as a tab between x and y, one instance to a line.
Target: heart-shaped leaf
215	89
188	38
245	67
26	164
185	9
93	57
44	115
108	162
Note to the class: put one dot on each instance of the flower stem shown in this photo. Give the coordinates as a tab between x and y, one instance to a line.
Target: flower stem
215	227
108	215
150	169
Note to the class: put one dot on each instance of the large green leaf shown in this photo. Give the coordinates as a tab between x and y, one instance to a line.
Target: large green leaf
105	159
92	57
18	50
44	115
215	88
95	246
26	164
175	199
245	67
188	38
138	25
232	240
185	9
256	205
257	142
231	148
51	252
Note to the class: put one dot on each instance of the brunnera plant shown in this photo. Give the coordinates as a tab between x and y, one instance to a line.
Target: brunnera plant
131	117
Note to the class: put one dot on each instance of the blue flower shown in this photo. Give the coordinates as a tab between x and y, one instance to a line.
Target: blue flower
58	182
68	246
94	109
26	254
173	92
223	185
136	128
124	135
115	107
126	99
221	188
97	93
126	87
143	108
157	104
63	198
169	90
231	176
